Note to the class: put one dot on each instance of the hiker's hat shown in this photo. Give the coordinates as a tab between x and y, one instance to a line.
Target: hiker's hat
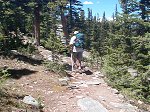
76	32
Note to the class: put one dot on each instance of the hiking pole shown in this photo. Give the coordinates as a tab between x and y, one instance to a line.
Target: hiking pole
72	63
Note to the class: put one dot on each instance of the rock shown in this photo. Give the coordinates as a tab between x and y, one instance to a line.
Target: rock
80	82
63	81
98	74
115	91
120	96
15	51
83	85
124	106
50	58
87	71
30	100
90	105
30	86
140	102
73	87
86	54
87	68
35	82
93	82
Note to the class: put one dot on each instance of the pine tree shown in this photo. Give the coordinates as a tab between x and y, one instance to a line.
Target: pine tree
124	5
144	6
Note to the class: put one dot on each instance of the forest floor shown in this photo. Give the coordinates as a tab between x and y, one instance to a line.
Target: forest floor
84	91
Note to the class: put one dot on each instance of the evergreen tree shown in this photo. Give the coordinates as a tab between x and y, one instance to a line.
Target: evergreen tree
144	6
124	5
88	30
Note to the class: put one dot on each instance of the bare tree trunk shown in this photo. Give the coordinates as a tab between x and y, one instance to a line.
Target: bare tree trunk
37	25
64	24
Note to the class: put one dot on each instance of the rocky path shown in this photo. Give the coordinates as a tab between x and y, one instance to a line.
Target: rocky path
83	92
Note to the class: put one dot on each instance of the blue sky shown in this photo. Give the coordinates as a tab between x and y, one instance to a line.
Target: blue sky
99	6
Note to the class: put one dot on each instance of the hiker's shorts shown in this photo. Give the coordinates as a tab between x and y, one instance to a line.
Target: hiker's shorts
77	55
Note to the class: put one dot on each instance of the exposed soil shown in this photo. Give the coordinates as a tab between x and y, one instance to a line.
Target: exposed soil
33	79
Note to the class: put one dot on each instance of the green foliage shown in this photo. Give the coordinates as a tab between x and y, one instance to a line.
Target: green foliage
118	45
10	42
28	49
54	44
125	51
1	41
3	75
1	37
55	67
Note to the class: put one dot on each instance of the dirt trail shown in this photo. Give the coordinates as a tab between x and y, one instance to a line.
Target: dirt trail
36	81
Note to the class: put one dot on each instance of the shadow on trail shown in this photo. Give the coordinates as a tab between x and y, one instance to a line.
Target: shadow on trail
69	68
18	73
23	58
27	59
88	72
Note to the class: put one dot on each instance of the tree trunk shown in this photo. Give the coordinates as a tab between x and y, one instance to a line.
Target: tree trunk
64	24
37	26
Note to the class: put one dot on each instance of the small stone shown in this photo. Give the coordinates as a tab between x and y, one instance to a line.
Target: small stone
63	82
22	85
98	74
13	89
140	102
94	82
115	91
30	86
120	96
73	87
30	100
83	85
35	82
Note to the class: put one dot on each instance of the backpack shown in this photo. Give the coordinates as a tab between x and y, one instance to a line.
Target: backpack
79	41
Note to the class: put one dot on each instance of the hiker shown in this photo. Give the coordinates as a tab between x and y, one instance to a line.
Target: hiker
77	48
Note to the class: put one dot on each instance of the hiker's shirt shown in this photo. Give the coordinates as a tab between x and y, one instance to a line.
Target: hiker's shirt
75	49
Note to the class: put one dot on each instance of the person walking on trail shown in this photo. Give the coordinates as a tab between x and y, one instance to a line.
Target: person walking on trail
77	48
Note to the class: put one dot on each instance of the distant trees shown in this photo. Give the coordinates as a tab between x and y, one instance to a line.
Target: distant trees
32	16
117	45
139	6
123	44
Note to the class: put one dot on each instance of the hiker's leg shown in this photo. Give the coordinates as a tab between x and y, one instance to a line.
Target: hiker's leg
74	58
79	58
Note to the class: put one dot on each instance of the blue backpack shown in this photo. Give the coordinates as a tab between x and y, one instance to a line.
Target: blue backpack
79	41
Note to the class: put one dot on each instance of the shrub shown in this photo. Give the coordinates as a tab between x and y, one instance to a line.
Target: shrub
55	67
3	75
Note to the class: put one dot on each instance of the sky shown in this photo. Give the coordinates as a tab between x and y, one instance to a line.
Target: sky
99	6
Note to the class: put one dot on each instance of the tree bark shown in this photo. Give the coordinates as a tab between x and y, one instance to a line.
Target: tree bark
64	24
37	25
